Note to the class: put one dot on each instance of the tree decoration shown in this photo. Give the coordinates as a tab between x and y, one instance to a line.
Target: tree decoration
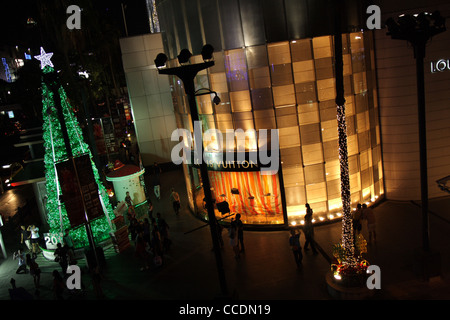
55	151
44	58
347	226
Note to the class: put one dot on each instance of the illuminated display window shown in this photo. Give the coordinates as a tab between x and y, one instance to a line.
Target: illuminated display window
290	86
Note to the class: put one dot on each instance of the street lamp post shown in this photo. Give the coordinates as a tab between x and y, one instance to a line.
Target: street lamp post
417	29
187	73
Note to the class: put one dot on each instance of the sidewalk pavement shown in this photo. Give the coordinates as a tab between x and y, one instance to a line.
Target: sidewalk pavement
267	270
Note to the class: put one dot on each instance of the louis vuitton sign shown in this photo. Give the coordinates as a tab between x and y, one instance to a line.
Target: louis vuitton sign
440	65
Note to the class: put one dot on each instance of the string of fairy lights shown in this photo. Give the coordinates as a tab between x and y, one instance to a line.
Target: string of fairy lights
347	226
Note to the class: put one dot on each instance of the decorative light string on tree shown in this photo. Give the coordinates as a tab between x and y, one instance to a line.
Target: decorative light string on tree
347	227
55	152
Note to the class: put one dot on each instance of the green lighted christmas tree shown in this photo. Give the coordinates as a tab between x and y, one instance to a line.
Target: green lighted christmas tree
55	151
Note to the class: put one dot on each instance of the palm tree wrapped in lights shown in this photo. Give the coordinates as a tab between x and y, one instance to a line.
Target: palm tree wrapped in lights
348	265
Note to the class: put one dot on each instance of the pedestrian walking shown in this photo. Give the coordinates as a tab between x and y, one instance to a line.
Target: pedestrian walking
35	271
133	229
356	220
128	199
25	237
219	233
163	229
175	198
156	175
369	216
141	252
34	239
146	232
68	242
22	266
58	285
150	209
240	232
309	230
157	248
233	237
61	257
294	244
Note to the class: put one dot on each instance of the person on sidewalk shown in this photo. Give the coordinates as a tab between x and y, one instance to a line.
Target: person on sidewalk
356	219
141	252
163	229
128	199
35	271
25	236
309	230
219	233
156	173
22	266
175	198
232	234
294	244
61	257
34	239
68	241
369	216
240	232
58	285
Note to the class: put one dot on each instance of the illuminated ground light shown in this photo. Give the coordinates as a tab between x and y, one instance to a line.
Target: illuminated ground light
325	217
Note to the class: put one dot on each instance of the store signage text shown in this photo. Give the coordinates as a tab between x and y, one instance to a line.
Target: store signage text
233	165
440	65
189	151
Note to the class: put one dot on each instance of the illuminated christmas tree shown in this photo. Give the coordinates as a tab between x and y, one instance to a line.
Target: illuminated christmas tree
55	152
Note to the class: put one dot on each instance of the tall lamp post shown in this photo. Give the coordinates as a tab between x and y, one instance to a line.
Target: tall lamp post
417	30
187	73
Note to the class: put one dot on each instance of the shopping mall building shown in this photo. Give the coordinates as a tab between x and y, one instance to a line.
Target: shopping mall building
274	69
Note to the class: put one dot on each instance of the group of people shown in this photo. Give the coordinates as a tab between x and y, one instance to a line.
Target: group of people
29	237
64	253
363	212
151	238
308	230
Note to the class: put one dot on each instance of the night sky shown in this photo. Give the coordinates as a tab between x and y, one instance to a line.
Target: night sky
14	30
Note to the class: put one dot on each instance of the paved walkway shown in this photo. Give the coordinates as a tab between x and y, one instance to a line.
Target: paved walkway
267	270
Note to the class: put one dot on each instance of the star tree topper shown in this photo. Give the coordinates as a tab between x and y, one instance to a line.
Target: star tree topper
44	58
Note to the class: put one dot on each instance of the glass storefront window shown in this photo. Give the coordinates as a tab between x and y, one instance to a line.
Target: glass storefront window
290	86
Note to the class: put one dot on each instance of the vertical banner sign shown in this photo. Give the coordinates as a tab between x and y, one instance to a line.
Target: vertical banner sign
110	139
88	187
78	189
71	193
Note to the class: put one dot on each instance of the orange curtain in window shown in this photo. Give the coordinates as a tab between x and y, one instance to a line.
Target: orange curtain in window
258	194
